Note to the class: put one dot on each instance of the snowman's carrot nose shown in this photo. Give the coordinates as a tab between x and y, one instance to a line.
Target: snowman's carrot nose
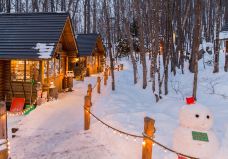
190	100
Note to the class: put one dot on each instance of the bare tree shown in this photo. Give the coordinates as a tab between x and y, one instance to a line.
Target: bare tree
94	16
8	6
196	42
107	18
63	5
217	41
137	6
35	7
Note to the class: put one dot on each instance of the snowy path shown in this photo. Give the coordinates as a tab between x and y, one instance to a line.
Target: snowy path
55	130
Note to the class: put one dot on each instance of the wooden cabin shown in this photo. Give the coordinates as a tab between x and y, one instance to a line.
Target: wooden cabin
223	36
36	49
91	54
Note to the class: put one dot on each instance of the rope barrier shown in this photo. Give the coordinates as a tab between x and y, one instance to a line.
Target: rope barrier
111	127
165	147
139	136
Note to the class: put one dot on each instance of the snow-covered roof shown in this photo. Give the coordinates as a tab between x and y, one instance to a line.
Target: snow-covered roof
223	35
30	35
87	43
45	50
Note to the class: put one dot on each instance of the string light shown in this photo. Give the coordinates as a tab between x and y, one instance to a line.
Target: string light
23	112
137	136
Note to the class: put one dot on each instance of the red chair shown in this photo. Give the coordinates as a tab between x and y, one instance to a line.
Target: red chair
17	105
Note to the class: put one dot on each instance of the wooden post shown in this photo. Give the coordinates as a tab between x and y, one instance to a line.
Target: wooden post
25	70
90	89
99	85
105	77
121	66
118	67
86	113
106	70
147	145
48	70
41	72
3	129
109	71
89	92
3	122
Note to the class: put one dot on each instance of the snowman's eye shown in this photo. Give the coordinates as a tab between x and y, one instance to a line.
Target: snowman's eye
197	115
208	117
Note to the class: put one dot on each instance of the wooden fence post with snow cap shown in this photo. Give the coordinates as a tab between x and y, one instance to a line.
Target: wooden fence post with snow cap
99	85
87	107
147	145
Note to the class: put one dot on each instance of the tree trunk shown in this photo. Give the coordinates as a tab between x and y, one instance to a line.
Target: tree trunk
217	42
94	16
63	5
8	6
88	16
127	26
141	40
107	18
196	43
52	6
35	7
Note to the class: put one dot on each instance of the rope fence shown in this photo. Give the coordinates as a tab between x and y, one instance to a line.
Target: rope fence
138	136
148	138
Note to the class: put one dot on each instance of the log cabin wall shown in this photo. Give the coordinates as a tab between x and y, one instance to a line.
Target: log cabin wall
1	81
20	89
6	78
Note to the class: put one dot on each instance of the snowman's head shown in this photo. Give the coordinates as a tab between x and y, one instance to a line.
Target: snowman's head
196	116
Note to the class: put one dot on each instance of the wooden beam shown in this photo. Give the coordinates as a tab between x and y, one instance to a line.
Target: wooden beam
48	72
25	70
67	65
41	72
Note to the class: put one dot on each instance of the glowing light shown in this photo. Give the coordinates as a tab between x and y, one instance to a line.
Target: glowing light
143	143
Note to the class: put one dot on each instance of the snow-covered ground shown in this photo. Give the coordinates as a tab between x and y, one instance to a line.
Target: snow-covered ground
55	129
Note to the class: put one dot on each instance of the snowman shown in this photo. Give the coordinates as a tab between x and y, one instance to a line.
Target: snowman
194	136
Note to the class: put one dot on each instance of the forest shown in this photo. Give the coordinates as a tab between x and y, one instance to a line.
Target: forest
169	32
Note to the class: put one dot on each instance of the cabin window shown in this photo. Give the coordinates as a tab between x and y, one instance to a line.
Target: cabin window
24	70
